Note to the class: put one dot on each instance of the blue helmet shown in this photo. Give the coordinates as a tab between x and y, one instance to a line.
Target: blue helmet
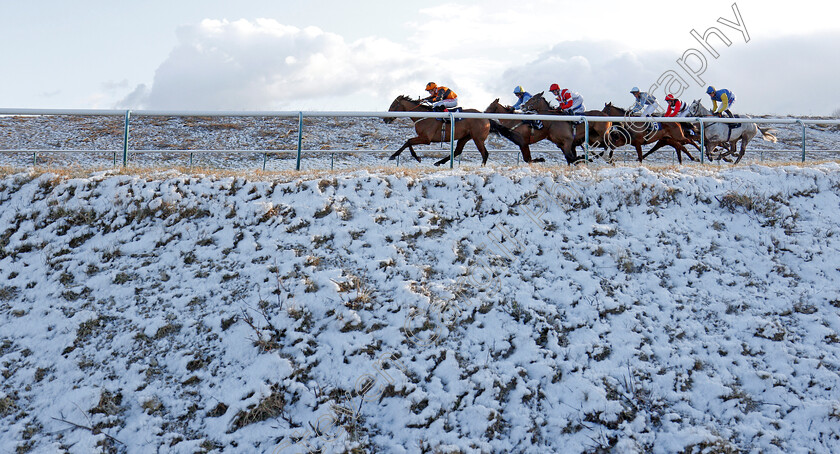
710	90
518	89
634	90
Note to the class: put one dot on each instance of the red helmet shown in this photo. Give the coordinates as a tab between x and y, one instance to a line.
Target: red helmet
670	97
553	87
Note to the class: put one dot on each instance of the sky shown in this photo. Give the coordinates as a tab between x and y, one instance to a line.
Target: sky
778	57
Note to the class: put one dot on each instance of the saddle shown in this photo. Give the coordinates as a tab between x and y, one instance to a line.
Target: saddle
536	124
454	109
731	127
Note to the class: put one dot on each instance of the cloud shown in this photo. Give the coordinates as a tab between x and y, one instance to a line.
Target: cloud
785	75
115	85
136	98
601	71
266	65
245	65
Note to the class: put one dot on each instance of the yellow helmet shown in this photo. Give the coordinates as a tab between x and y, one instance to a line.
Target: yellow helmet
431	86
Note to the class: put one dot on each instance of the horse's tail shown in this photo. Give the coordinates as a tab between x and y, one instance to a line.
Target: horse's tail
507	133
767	134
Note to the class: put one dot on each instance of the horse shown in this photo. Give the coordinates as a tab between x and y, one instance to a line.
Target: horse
433	130
721	133
597	130
529	134
637	135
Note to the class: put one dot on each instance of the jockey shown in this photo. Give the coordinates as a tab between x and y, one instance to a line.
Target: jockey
676	108
523	96
441	96
726	98
645	103
569	100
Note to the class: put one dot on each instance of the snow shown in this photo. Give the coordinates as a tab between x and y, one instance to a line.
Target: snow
499	309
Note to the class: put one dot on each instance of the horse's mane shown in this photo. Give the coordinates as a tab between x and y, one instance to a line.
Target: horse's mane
408	98
539	96
622	110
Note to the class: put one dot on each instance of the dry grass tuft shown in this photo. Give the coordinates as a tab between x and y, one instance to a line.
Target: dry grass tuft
270	407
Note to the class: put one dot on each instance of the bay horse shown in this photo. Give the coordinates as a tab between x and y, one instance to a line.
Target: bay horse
597	130
433	130
530	135
636	133
720	133
563	133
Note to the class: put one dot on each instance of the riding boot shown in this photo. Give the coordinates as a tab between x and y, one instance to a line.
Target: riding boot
729	113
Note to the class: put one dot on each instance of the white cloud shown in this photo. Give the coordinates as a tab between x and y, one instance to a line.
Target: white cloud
267	65
786	75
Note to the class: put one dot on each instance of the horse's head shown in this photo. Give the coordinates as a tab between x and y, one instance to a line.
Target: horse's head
402	103
696	109
537	102
614	111
497	107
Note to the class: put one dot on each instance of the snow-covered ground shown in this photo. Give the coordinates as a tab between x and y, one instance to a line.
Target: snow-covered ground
500	309
250	137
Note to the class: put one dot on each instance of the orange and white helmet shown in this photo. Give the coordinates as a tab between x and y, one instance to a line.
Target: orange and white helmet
431	86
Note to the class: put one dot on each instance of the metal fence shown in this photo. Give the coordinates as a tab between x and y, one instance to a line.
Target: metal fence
300	115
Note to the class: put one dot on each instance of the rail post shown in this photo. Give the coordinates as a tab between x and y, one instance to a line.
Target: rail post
452	141
586	139
34	159
300	139
125	138
702	141
803	137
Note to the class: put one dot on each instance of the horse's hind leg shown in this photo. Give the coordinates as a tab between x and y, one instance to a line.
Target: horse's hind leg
526	152
459	147
659	144
483	150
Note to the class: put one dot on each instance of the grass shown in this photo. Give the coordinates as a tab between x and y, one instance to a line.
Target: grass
8	405
269	407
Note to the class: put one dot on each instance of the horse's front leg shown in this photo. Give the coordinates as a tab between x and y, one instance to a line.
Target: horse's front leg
709	149
734	146
408	144
692	142
680	150
685	150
